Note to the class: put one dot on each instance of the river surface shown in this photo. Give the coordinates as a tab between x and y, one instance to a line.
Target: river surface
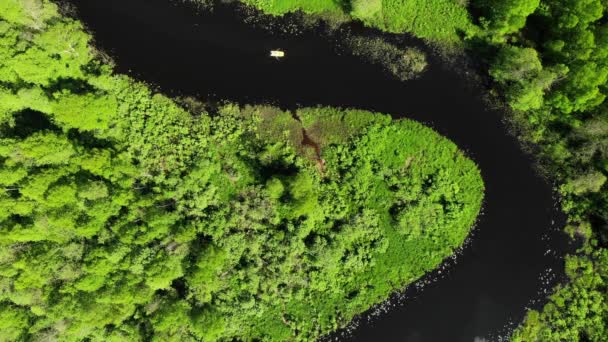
514	254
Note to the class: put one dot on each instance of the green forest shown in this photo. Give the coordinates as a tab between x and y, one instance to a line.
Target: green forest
548	62
129	216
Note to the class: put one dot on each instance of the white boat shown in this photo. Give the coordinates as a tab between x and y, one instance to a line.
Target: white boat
277	53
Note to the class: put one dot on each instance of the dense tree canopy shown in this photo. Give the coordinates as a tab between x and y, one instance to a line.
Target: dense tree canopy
552	69
125	217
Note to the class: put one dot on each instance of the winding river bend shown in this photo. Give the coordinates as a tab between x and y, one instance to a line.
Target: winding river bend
515	253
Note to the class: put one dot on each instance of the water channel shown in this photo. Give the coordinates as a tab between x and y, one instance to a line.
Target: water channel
515	252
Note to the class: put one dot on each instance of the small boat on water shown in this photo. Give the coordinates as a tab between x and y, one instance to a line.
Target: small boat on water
277	53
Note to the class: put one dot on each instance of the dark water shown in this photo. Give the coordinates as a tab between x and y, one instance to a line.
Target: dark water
503	268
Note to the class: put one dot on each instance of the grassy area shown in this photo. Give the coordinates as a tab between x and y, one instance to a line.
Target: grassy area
278	7
441	21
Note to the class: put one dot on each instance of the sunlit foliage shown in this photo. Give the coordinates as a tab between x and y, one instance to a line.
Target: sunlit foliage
278	7
552	67
124	217
549	62
442	21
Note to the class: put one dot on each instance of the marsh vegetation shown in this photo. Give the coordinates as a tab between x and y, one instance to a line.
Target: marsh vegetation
548	63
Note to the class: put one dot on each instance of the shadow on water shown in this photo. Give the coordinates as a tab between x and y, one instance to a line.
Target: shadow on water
515	253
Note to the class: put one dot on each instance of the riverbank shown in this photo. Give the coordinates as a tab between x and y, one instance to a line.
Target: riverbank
129	218
491	276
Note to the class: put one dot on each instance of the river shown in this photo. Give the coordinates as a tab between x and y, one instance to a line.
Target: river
515	253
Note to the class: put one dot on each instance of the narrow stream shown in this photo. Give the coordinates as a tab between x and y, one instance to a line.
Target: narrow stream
514	254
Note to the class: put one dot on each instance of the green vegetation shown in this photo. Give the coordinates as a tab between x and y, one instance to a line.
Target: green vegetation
549	63
125	217
552	69
278	7
404	64
443	21
576	312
